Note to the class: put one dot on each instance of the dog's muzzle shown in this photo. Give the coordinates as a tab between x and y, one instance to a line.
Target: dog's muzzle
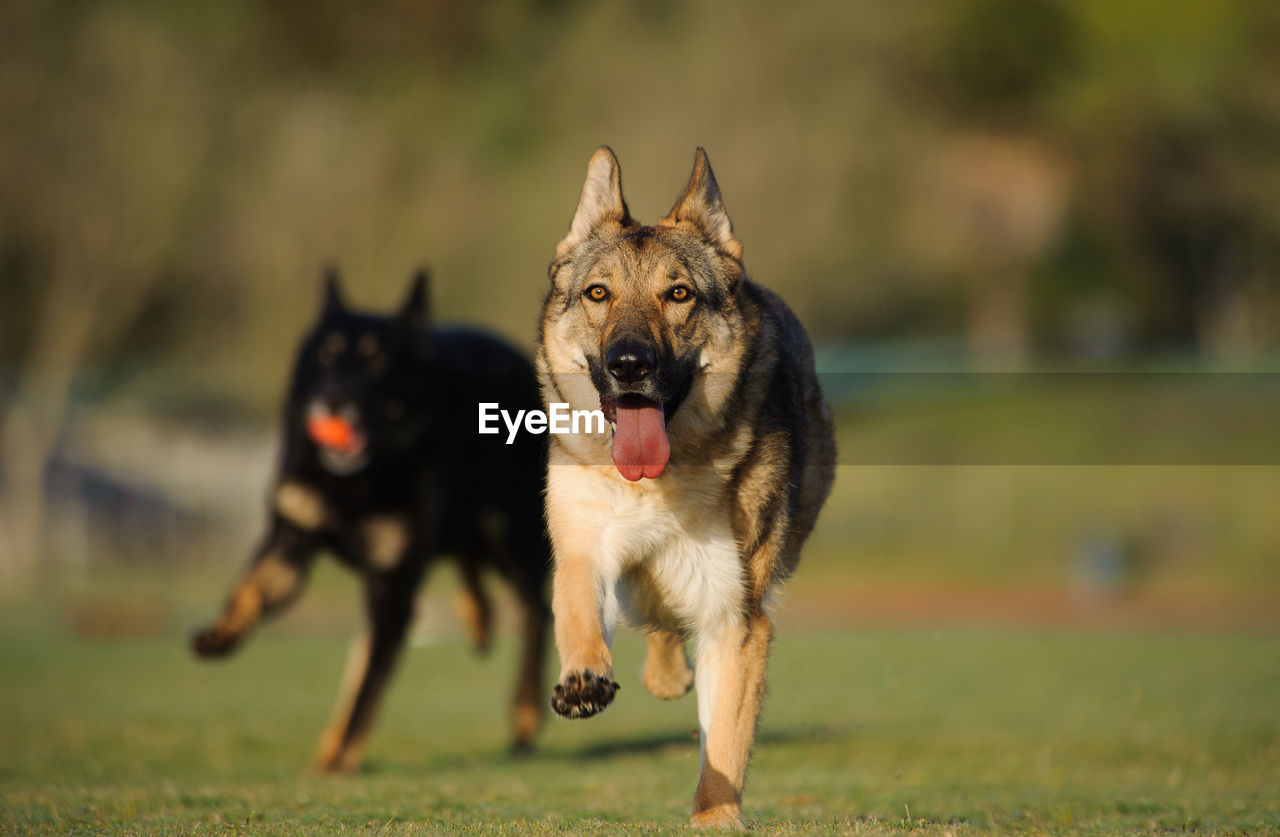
339	437
638	408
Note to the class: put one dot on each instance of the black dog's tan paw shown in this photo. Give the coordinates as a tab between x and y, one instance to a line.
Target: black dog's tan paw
214	642
583	694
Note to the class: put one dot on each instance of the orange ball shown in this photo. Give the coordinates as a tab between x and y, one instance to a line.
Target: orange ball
331	431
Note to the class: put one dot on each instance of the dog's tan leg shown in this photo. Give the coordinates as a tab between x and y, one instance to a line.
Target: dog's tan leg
730	682
329	755
586	666
667	674
275	573
474	608
271	582
370	662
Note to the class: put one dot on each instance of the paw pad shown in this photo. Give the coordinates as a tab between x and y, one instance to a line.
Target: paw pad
583	694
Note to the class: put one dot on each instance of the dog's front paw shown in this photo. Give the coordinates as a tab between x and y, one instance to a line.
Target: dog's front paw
583	694
214	642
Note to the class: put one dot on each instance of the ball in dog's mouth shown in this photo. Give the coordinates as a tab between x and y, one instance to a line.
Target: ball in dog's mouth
341	443
640	445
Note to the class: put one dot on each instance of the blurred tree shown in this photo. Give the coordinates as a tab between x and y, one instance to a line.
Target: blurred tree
992	198
96	188
990	206
1194	227
330	36
1003	60
1179	122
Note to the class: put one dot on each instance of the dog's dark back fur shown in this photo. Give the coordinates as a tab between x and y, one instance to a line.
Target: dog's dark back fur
407	480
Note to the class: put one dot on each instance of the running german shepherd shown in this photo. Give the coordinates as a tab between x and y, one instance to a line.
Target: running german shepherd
382	466
720	458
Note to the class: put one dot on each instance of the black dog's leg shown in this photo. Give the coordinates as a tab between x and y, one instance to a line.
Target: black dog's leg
369	665
526	569
473	605
273	580
529	705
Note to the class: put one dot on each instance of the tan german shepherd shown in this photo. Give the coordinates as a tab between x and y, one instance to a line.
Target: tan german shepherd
720	457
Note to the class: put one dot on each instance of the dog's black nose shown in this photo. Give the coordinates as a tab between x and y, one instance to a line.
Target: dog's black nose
629	361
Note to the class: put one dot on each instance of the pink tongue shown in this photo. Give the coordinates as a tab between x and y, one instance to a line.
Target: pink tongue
640	446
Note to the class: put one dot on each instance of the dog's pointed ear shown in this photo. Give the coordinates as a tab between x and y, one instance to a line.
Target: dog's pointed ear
416	310
702	208
601	200
333	303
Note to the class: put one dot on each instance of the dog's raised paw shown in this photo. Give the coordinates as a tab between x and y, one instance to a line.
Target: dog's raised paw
213	642
583	694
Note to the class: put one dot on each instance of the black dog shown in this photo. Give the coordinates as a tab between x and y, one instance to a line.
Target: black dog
383	467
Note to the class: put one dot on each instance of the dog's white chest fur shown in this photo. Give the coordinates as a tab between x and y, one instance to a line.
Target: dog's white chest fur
663	557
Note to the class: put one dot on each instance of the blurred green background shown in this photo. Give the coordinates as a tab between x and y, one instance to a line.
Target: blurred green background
991	186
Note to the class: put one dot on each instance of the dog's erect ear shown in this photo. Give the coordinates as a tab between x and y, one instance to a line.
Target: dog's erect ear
702	208
601	200
333	303
416	309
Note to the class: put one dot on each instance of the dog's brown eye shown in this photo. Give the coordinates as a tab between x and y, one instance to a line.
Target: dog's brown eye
680	293
333	345
597	293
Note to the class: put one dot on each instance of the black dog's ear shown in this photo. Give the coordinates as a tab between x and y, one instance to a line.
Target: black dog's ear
333	303
416	309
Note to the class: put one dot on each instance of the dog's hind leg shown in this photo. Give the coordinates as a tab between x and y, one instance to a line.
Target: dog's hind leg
730	682
529	706
666	671
473	606
369	665
272	581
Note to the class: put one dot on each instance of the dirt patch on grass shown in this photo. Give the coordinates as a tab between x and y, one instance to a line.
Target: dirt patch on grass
1028	607
113	618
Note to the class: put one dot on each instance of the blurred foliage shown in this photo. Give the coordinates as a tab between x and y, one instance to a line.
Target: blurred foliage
1083	178
1001	58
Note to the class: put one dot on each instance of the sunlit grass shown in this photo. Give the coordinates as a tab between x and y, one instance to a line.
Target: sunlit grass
878	732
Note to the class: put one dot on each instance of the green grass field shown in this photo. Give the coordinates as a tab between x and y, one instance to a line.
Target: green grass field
107	724
879	731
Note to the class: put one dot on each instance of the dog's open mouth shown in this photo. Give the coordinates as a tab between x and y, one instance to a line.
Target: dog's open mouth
640	444
342	444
